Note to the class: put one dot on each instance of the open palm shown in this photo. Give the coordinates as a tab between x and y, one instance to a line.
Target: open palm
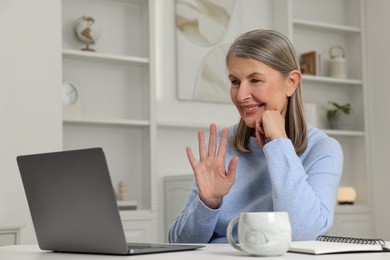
213	180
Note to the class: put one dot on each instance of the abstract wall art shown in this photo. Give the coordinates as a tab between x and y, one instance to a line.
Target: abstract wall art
202	28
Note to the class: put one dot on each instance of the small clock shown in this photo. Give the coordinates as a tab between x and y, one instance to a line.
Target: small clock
70	93
70	99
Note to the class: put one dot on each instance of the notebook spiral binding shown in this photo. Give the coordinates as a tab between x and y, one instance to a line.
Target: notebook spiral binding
354	240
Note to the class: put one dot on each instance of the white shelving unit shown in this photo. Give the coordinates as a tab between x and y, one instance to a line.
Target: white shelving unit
317	26
116	88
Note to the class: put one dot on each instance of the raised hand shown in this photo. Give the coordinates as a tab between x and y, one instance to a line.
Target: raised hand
212	179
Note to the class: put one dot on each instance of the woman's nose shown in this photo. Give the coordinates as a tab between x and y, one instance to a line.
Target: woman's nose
244	92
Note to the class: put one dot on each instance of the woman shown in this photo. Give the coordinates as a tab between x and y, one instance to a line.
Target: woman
271	160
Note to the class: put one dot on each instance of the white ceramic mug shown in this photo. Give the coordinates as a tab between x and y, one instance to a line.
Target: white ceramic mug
261	233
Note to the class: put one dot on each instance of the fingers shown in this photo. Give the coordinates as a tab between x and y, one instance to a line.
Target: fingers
223	143
260	135
259	126
272	125
210	152
191	157
212	140
231	172
202	146
260	138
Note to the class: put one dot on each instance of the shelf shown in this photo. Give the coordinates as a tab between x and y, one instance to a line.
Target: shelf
341	209
183	125
116	110
118	122
311	25
333	132
322	79
103	57
190	125
204	126
136	215
127	204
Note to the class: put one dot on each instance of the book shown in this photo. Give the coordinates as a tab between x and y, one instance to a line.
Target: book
333	245
310	63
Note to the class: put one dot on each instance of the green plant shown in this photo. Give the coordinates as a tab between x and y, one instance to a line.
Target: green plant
338	110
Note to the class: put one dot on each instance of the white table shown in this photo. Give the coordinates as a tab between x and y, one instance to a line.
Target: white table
211	251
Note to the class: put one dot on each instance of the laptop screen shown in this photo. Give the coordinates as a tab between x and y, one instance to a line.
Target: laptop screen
73	206
72	201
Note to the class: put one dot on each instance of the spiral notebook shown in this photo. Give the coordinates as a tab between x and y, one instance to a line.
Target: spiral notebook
335	245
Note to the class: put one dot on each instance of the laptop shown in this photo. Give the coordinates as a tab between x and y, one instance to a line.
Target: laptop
73	207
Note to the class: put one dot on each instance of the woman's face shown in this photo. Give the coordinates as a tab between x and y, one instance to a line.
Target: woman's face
256	87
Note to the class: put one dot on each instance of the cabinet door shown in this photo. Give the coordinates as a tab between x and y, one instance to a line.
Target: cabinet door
7	239
138	231
9	236
176	189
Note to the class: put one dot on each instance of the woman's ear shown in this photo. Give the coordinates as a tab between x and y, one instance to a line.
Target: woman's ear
293	80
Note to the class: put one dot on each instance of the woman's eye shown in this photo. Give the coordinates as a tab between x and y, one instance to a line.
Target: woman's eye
235	82
255	80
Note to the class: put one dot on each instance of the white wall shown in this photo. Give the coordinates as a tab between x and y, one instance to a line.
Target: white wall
30	112
378	64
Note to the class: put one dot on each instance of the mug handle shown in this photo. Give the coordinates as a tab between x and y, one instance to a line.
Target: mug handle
229	233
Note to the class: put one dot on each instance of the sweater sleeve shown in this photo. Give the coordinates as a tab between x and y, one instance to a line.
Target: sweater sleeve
305	189
195	223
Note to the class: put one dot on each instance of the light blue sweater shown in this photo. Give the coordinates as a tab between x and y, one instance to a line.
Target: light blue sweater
272	178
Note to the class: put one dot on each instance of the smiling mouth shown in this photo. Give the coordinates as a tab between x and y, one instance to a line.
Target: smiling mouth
251	108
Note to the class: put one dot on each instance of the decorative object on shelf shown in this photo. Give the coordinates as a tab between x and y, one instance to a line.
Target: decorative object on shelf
87	31
123	191
339	116
71	99
346	195
310	63
337	62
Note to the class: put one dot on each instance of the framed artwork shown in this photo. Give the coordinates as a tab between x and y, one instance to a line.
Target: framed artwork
202	40
204	30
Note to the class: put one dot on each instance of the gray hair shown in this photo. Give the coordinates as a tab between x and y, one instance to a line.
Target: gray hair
276	51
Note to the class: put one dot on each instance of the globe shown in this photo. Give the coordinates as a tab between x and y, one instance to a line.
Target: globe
87	31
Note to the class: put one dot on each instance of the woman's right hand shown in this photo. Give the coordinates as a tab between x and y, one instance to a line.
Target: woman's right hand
212	179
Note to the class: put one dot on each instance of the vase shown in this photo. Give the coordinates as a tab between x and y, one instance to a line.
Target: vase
341	122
